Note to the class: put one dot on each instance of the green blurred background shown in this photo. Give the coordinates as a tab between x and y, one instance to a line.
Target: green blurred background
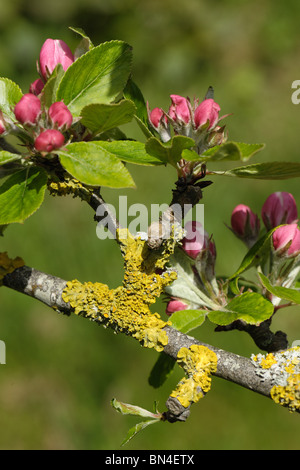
61	372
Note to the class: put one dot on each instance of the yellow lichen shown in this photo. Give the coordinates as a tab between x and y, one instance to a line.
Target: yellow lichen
126	308
282	369
288	395
68	186
268	361
198	362
8	265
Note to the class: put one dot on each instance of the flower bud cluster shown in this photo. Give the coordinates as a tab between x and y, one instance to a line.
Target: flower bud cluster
279	210
198	121
45	127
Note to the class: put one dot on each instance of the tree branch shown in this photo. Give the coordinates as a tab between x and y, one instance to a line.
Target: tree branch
232	367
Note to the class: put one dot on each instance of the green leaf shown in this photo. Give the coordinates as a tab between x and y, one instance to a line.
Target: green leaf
161	370
192	156
129	151
184	287
133	93
50	89
7	157
10	94
81	33
256	255
265	171
125	409
93	165
171	151
98	76
137	428
250	307
234	286
85	44
285	293
188	320
2	228
22	194
102	117
233	151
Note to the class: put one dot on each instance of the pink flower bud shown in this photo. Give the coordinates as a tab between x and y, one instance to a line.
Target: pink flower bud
159	121
175	305
286	240
49	140
279	208
36	87
244	223
60	115
28	109
2	124
179	110
54	52
156	116
197	240
208	110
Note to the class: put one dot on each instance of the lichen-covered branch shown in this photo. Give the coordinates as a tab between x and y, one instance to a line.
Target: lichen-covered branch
44	287
126	310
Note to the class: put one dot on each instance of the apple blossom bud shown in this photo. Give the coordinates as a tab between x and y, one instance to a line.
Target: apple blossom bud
28	109
60	115
279	208
194	241
159	121
36	87
208	110
197	240
245	224
156	116
54	52
242	214
286	240
180	110
2	124
174	305
49	140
